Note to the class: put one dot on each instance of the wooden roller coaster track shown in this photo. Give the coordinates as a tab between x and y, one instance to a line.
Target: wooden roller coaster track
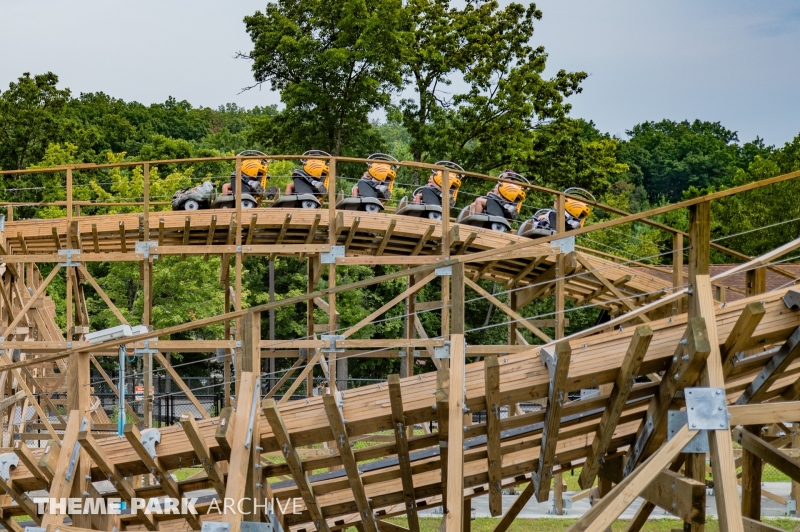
665	344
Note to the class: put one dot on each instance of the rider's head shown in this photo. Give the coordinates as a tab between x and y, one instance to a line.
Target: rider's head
255	168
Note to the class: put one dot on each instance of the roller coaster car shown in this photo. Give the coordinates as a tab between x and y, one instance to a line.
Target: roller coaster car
544	221
194	198
502	204
307	190
375	187
430	205
252	192
495	216
369	198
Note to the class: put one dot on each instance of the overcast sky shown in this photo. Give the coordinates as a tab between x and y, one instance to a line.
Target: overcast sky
732	61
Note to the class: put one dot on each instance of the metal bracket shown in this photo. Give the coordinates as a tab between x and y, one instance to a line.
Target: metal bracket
792	299
443	271
73	459
150	438
332	339
676	419
146	349
638	447
212	526
331	256
67	254
706	408
442	352
143	247
252	418
7	461
3	223
549	361
791	507
34	529
566	244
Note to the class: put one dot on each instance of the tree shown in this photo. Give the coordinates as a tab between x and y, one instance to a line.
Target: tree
669	157
334	62
31	117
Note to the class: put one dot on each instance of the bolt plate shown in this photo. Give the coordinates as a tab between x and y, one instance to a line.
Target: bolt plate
706	408
331	256
675	422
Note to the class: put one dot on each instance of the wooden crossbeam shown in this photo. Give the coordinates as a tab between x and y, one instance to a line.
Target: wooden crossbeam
187	230
680	496
465	245
351	233
542	284
494	457
251	230
556	397
31	462
768	453
210	466
155	465
519	319
610	507
282	233
616	402
270	409
181	384
516	507
751	525
525	271
386	236
404	461
122	237
56	239
62	482
423	240
788	353
594	295
36	295
741	335
302	376
408	292
128	408
103	295
690	355
349	461
209	238
287	375
109	468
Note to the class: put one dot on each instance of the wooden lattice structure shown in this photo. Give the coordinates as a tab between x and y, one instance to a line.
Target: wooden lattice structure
663	343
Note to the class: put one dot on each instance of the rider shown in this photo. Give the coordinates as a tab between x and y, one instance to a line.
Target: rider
504	192
254	175
316	168
575	213
380	175
435	183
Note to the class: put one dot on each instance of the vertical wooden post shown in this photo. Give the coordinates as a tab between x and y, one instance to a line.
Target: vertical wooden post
467	524
795	445
226	369
560	318
455	458
751	480
69	196
147	311
310	324
677	268
332	231
446	214
756	282
237	303
695	468
409	327
78	382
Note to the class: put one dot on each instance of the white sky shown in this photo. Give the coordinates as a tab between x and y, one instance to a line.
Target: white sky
733	61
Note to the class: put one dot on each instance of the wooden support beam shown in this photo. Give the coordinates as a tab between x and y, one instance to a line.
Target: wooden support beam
181	384
423	240
36	295
680	496
455	462
241	441
752	525
386	236
282	233
624	300
301	378
542	284
31	462
403	458
494	457
687	363
408	292
443	417
103	295
187	231
109	468
512	513
558	365
768	453
741	335
201	449
765	413
62	482
751	476
251	230
616	403
351	233
349	462
156	467
610	507
270	409
520	320
594	295
122	238
788	353
287	375
209	237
